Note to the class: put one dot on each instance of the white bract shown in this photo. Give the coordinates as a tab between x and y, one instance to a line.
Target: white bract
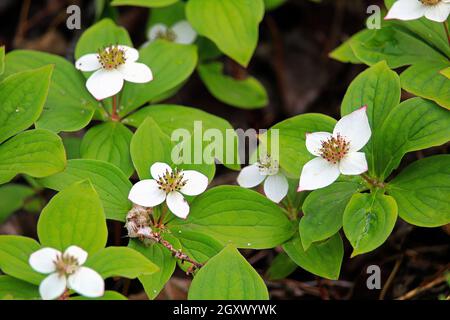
337	152
181	32
436	10
66	271
169	185
113	65
267	169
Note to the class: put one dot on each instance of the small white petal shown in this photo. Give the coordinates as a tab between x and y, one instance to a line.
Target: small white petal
314	141
353	163
159	169
131	54
78	253
318	173
196	183
155	30
88	62
105	83
146	193
52	287
184	32
250	176
438	12
177	204
276	187
136	72
355	128
43	260
406	10
87	282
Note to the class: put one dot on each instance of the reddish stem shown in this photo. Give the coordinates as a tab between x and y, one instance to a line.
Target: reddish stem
447	32
114	115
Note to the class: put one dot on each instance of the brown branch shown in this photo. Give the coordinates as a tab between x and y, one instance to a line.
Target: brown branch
421	289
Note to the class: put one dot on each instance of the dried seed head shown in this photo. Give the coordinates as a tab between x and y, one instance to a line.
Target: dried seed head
137	218
168	35
171	181
111	57
334	149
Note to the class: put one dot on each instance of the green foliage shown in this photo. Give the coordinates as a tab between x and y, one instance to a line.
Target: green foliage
15	289
143	3
12	198
281	267
228	276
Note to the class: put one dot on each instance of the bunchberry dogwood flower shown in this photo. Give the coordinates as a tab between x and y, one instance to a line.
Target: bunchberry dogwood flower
436	10
337	152
66	271
169	185
113	65
266	169
181	32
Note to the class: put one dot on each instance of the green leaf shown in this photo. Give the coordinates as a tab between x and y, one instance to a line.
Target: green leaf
247	94
121	262
171	65
109	142
232	25
22	97
173	117
234	215
143	3
74	217
397	47
344	53
72	145
273	4
228	276
2	59
281	267
109	295
378	88
369	220
323	211
168	15
14	254
110	183
322	258
15	289
12	198
422	192
292	135
69	106
162	257
38	153
197	246
149	145
102	34
425	80
446	72
414	124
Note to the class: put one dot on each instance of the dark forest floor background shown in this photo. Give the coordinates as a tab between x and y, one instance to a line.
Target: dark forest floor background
293	64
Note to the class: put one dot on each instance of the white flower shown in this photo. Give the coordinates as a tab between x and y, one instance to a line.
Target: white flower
336	153
275	183
181	32
168	184
436	10
66	271
112	66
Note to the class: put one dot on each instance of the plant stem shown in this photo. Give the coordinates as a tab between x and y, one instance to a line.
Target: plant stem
155	236
447	32
372	181
114	115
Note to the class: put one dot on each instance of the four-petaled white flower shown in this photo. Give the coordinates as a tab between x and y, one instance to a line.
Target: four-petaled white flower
113	65
169	185
181	32
266	169
66	271
436	10
336	153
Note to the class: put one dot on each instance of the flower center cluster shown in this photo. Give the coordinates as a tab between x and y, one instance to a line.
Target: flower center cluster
168	35
66	264
430	2
334	149
171	181
111	57
268	166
